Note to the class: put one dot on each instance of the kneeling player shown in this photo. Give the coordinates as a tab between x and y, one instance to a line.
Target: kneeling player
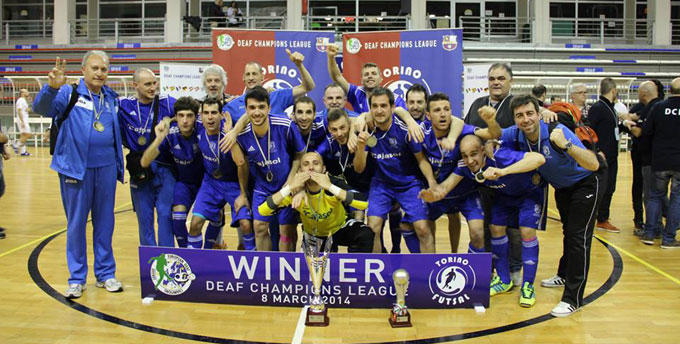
323	213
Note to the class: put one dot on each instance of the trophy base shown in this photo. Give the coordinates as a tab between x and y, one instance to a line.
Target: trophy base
400	320
316	318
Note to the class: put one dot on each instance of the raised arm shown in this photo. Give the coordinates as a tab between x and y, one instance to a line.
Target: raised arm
307	80
152	152
584	157
44	100
493	129
360	154
529	162
449	142
333	69
229	138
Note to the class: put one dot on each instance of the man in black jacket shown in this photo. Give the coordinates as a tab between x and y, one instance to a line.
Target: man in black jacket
604	120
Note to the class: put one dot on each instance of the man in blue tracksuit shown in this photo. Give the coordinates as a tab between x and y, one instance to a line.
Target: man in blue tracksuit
89	159
136	116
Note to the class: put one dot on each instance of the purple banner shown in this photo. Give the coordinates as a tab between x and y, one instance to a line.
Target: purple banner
282	279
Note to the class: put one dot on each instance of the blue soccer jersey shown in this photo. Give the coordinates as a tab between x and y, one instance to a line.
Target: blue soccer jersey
279	101
393	154
218	165
513	185
560	169
356	96
445	161
185	153
316	136
272	154
136	122
339	161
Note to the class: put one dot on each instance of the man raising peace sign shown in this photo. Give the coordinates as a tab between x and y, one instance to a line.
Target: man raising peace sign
88	157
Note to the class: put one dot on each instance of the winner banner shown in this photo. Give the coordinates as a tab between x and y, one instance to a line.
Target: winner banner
232	49
433	58
282	278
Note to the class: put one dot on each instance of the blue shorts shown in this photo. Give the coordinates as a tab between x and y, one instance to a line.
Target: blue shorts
285	215
469	205
214	195
529	211
185	194
381	197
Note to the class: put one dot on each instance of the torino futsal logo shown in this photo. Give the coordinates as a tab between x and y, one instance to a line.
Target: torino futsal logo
450	280
170	274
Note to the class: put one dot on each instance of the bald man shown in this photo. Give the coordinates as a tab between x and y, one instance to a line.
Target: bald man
21	120
152	187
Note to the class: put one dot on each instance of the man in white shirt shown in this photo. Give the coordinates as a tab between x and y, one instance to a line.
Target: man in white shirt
22	123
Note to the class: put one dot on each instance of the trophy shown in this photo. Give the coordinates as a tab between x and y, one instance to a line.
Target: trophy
316	255
399	315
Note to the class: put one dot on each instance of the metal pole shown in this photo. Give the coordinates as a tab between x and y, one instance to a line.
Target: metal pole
601	31
356	16
115	30
7	33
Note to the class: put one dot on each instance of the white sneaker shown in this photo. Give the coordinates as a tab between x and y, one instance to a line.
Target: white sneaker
553	282
563	309
74	291
112	285
516	278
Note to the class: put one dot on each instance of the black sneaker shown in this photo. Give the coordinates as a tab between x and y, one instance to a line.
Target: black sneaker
672	244
647	240
639	232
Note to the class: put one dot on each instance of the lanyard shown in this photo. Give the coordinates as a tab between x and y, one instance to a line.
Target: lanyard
267	160
139	115
216	155
94	105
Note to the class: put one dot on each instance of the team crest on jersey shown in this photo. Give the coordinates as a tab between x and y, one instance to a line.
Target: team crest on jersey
393	141
170	274
450	280
546	150
353	45
272	147
225	42
213	145
321	44
537	209
195	147
449	42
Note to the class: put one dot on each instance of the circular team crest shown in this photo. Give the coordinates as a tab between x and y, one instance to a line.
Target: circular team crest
451	280
170	274
353	45
225	42
453	277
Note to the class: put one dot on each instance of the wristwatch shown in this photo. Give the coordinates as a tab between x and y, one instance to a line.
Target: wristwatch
568	146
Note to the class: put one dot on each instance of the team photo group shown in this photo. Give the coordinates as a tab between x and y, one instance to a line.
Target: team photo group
361	162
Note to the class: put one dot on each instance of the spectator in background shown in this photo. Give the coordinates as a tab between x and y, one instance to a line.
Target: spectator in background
539	92
5	156
22	122
555	99
233	14
216	15
604	120
579	94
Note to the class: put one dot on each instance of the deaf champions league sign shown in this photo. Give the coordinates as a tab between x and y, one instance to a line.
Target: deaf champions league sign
282	278
433	58
232	49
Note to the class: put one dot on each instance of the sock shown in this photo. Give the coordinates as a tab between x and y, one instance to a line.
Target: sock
499	248
22	148
472	249
529	260
274	232
179	227
395	232
249	241
211	234
411	240
195	241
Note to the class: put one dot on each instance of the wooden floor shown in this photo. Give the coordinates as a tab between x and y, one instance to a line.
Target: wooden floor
643	306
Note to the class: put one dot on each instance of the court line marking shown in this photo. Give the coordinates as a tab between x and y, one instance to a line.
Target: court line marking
300	328
633	257
51	234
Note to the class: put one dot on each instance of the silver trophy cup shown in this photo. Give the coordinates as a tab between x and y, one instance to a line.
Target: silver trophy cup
316	254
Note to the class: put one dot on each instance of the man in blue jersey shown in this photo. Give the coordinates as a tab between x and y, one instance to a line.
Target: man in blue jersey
397	162
357	96
334	97
312	127
569	168
225	182
274	146
464	197
136	115
180	140
89	159
416	102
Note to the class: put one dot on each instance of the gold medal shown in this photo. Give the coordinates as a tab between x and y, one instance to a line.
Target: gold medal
536	178
217	174
270	176
479	176
141	140
371	141
98	126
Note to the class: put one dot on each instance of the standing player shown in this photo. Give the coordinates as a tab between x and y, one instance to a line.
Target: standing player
89	158
22	123
395	180
274	147
334	97
312	127
324	212
136	116
225	181
180	140
569	169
